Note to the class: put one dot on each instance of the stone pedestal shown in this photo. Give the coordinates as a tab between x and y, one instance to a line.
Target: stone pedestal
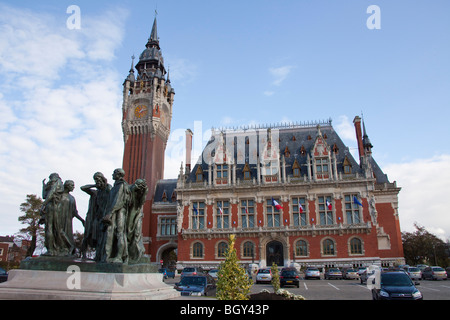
48	278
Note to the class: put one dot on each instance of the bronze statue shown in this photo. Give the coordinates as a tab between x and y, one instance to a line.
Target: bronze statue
135	245
68	211
51	193
94	229
115	219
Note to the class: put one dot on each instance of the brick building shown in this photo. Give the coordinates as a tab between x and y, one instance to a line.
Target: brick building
290	193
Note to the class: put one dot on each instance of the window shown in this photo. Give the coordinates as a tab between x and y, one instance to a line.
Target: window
356	246
328	247
325	210
222	171
351	210
322	166
198	215
347	166
248	213
301	248
222	249
299	211
168	226
222	214
199	174
249	249
197	250
296	169
270	168
246	171
273	214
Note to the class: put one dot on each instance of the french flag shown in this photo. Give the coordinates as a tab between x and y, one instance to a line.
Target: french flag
221	211
329	205
300	208
276	204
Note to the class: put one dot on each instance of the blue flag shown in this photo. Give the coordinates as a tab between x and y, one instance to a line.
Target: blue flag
355	200
195	210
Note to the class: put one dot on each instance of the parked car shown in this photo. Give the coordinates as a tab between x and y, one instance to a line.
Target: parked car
422	266
167	273
414	273
191	271
197	285
3	275
396	285
264	275
361	270
333	273
434	273
214	273
312	272
365	275
350	274
289	277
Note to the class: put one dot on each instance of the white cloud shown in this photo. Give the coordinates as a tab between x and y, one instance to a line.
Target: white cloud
280	74
424	195
60	115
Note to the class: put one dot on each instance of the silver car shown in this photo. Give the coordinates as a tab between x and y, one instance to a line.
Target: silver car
434	273
312	272
414	273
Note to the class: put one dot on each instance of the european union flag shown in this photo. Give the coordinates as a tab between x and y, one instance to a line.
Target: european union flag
355	200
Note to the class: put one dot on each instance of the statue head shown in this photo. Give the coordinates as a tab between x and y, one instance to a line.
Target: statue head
118	174
100	180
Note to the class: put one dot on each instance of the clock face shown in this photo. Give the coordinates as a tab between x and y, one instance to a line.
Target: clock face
140	111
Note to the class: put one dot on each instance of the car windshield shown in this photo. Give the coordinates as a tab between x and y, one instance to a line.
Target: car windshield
289	273
188	270
264	271
193	281
413	270
351	270
2	271
395	279
437	269
333	270
312	269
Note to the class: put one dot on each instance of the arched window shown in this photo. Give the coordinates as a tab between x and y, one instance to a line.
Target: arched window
356	246
248	249
197	250
328	247
301	248
222	249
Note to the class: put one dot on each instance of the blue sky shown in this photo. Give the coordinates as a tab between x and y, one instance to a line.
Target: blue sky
231	63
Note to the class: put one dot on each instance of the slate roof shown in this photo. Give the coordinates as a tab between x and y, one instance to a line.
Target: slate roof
166	186
305	136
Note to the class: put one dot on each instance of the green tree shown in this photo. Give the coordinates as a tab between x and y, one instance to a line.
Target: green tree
275	277
422	246
233	281
31	209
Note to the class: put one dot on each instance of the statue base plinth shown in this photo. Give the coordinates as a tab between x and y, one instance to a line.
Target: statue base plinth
67	278
49	263
61	285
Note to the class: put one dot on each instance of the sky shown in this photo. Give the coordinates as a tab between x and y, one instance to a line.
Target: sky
232	63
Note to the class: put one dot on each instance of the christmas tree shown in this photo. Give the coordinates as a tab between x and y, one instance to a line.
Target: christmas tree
234	283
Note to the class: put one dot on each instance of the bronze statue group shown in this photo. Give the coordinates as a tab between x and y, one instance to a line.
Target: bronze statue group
113	225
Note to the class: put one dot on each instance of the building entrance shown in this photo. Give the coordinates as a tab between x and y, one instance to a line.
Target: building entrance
274	253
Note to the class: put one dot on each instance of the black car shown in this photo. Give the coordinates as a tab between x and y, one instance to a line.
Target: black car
396	285
3	275
196	285
289	277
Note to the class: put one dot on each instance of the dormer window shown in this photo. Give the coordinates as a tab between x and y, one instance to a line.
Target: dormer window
296	169
347	166
199	174
246	172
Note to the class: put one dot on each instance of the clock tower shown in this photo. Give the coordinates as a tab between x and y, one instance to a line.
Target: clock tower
147	114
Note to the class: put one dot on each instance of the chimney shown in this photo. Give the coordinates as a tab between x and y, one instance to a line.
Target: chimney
357	123
189	135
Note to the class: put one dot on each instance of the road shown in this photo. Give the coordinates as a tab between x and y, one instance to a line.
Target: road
349	289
